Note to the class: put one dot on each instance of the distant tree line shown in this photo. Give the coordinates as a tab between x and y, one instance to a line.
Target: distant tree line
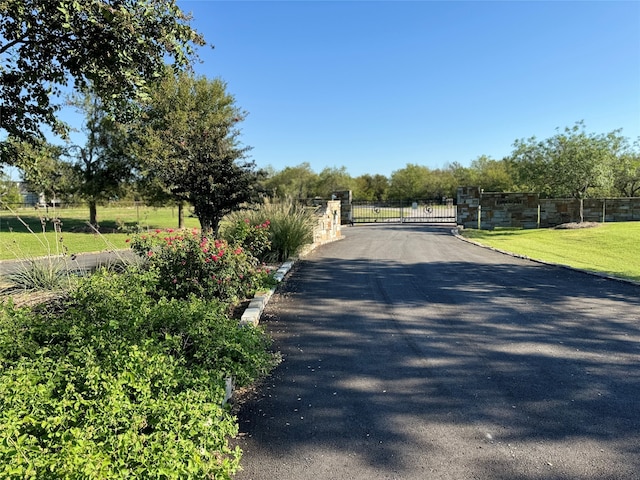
190	156
571	163
411	182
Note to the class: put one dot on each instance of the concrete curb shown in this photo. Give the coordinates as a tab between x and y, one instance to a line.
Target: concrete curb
251	316
456	234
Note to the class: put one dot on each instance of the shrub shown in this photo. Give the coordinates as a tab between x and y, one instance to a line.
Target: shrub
188	264
15	333
120	385
198	330
252	236
135	414
291	226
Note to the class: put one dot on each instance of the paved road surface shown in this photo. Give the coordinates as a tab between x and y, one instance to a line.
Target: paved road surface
81	261
409	354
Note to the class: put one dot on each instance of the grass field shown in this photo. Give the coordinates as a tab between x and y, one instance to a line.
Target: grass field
611	248
116	225
378	213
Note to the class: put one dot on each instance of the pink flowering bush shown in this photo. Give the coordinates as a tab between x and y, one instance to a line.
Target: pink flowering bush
189	264
251	236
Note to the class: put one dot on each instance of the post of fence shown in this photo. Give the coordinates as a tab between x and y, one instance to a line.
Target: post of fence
479	217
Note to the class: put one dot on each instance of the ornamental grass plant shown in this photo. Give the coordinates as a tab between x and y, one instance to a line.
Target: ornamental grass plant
49	274
291	226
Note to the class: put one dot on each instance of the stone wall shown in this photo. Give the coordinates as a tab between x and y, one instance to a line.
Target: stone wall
556	211
488	210
468	207
328	227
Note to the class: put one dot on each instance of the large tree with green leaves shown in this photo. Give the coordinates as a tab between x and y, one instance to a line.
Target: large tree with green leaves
298	182
331	180
568	164
492	175
460	176
409	183
117	46
627	171
105	165
189	143
370	187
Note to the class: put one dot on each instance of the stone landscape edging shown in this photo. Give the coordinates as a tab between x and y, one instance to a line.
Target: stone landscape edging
253	312
251	315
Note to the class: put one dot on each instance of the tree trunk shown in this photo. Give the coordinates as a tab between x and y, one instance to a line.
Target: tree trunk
206	226
93	216
180	214
581	200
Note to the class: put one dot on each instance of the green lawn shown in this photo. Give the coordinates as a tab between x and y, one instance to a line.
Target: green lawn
370	211
116	225
612	248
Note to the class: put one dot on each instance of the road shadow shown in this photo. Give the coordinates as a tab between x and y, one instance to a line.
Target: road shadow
517	354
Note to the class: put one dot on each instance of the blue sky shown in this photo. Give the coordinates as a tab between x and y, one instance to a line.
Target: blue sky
374	85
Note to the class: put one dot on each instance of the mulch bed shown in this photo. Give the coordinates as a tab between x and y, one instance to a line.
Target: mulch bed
23	298
237	310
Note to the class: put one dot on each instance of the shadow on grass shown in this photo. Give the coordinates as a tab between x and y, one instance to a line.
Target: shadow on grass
36	223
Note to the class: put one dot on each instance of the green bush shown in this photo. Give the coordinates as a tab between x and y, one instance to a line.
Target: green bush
121	306
253	237
291	226
17	333
137	413
188	264
117	384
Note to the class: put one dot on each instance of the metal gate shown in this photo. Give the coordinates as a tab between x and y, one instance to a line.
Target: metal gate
403	211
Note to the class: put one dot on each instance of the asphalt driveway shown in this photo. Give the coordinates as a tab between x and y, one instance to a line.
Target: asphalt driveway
409	354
